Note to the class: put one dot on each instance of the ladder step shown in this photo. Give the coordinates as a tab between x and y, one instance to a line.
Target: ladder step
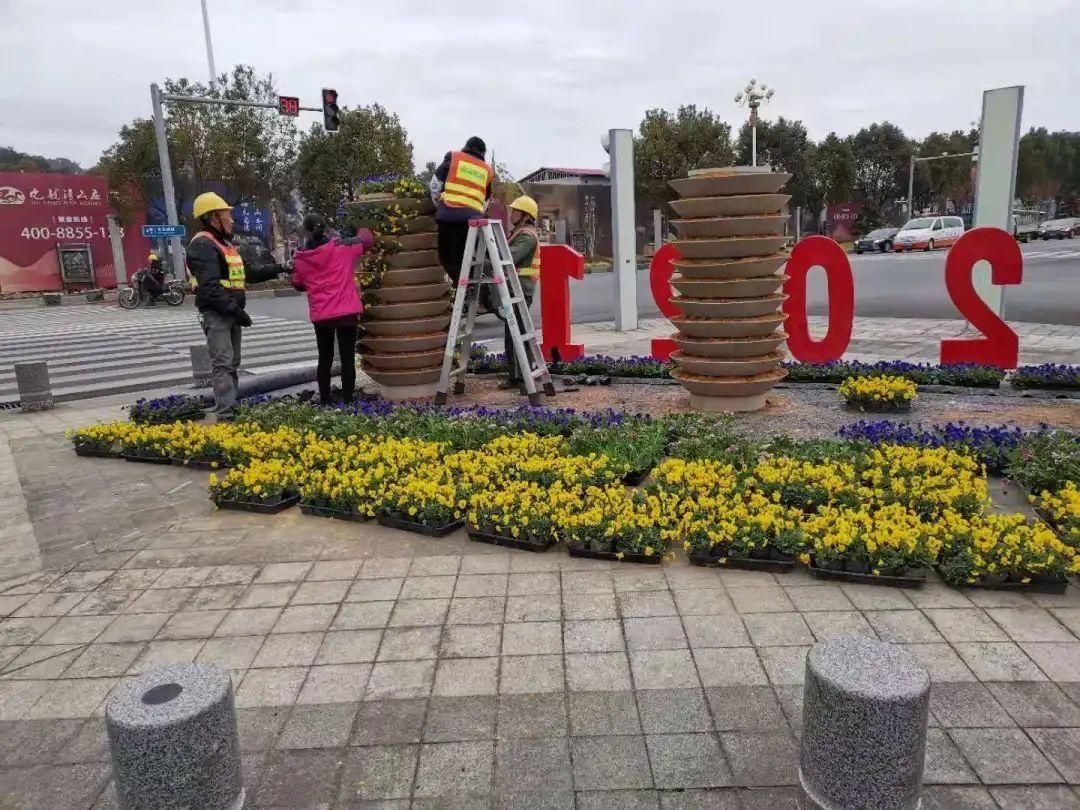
527	336
539	372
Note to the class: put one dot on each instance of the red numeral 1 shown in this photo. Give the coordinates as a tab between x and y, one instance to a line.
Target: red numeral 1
824	252
1000	347
661	270
558	264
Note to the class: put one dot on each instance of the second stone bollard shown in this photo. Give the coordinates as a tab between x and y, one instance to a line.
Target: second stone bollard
35	392
173	737
865	710
200	365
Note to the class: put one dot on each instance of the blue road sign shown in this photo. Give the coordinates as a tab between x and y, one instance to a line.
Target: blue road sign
163	231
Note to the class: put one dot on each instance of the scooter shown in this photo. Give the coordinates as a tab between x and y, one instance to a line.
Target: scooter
172	293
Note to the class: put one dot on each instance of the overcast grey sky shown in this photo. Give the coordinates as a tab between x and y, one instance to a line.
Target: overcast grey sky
541	81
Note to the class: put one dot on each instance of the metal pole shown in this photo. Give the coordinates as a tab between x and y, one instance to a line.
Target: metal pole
209	44
798	223
117	251
623	235
753	144
658	228
167	189
911	189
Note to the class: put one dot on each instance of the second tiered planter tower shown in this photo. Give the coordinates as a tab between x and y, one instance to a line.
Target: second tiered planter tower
731	243
406	295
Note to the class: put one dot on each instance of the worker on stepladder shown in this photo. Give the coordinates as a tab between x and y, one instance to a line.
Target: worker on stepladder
525	251
217	275
461	188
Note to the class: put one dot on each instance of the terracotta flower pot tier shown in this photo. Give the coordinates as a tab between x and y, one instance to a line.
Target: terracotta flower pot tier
739	205
728	307
405	318
731	245
412	275
408	343
728	288
410	292
730	226
719	269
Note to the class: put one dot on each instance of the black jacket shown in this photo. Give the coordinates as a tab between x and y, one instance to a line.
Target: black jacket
446	213
207	264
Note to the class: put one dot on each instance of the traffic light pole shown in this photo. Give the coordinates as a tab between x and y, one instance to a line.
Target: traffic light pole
158	99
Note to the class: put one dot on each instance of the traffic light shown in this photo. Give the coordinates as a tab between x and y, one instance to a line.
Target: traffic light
330	112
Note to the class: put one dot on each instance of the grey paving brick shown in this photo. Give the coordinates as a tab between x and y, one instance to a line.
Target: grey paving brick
471	641
288	650
377	773
785	666
542	607
589	606
762	759
305	619
536	765
583	582
965	624
319	726
745	708
236	652
603	713
424	587
76	630
374	590
192	624
828	624
673	711
1062	748
1003	756
941	661
532	638
284	572
300	778
703	602
102	660
467	676
597	671
539	582
763	599
1030	624
1061	662
326	592
944	764
267	595
998	661
617	800
362	616
455	719
593	636
410	644
663	669
644	604
528	674
392	680
496	563
778	629
610	763
902	626
716	631
478	610
475	585
687	761
873	597
732	666
966	705
332	569
1035	798
250	622
1036	704
390	722
259	727
270	687
384	567
348	647
812	598
532	716
452	769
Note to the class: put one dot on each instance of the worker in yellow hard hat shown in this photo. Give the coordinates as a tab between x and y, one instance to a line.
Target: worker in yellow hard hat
154	278
525	251
218	276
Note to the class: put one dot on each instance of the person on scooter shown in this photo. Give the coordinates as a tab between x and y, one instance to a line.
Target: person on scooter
154	278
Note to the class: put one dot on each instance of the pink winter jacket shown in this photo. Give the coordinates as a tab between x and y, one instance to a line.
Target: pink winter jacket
326	273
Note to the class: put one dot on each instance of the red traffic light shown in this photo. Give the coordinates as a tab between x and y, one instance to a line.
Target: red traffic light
289	105
329	96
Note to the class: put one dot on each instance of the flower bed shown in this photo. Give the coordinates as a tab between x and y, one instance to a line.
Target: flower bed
1061	510
1053	376
1003	551
747	530
175	408
881	394
266	487
1046	461
961	374
100	441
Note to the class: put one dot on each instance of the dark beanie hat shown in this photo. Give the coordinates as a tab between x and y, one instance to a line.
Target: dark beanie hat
476	144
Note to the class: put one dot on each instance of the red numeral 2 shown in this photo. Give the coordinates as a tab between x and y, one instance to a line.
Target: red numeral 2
1000	346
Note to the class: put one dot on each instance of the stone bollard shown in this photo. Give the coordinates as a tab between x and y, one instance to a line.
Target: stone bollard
200	365
174	742
32	379
864	725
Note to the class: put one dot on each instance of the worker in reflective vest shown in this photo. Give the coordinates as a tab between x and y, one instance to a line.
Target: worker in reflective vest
217	274
461	187
525	251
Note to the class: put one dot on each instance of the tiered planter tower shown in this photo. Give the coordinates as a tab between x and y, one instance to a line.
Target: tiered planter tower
407	302
731	245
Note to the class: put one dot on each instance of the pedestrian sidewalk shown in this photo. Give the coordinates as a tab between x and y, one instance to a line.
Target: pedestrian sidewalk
873	339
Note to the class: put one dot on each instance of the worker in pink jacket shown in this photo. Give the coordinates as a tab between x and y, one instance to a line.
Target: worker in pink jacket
324	269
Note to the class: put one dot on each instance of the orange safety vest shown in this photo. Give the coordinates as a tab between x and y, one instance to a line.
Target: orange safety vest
233	259
533	269
466	182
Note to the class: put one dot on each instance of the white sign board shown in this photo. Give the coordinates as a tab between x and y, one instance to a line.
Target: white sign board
995	184
620	145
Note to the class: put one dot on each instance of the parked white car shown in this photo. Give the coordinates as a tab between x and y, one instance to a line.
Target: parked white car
928	233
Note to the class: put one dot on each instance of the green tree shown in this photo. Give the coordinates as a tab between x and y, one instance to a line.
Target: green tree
950	179
248	150
784	145
669	145
833	165
1049	167
428	172
882	153
12	160
370	142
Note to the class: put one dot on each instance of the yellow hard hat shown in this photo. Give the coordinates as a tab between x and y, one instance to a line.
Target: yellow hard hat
152	257
207	203
526	205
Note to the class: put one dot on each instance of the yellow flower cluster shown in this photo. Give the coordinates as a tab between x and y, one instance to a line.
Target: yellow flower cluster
705	477
523	509
262	480
746	524
880	540
1003	546
618	519
806	484
102	436
883	389
926	480
1063	508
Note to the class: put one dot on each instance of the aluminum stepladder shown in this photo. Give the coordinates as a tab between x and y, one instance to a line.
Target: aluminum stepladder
487	261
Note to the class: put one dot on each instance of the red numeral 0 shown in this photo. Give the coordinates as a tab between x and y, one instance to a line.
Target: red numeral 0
661	270
811	252
1000	346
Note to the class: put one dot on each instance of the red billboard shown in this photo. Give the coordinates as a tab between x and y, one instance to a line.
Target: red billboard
39	212
841	221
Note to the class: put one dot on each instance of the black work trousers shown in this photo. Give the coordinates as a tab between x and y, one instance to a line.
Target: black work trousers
325	335
452	239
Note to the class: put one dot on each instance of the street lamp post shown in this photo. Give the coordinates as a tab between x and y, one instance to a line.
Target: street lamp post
911	172
753	96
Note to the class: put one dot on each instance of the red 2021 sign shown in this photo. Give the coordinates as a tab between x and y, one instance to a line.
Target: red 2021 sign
999	345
